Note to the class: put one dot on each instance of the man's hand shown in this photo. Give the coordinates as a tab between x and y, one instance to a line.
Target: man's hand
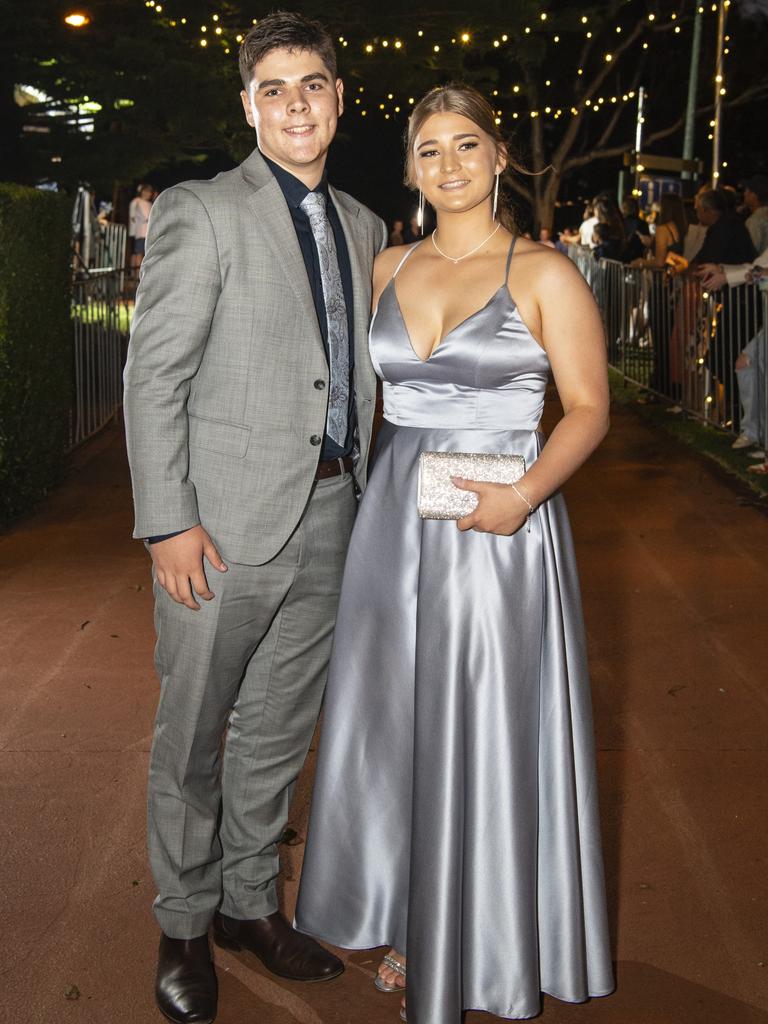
179	565
499	509
711	276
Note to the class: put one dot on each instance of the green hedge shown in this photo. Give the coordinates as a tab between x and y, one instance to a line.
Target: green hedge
35	344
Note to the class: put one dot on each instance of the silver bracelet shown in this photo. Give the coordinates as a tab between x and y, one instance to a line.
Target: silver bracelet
522	497
531	509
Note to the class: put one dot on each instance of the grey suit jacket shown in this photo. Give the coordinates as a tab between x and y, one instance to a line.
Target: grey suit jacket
222	409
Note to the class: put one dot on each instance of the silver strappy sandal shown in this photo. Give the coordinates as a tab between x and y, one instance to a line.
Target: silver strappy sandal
394	965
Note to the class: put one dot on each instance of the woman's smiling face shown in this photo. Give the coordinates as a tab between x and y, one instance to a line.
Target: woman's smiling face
454	162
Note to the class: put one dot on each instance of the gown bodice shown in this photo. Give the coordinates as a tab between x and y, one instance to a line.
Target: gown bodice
487	373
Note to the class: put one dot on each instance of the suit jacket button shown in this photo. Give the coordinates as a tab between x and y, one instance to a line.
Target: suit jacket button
315	439
320	385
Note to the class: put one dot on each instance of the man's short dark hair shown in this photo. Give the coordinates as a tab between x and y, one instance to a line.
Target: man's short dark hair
285	30
714	199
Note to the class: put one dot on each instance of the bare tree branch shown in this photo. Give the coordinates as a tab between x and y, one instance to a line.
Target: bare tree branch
754	92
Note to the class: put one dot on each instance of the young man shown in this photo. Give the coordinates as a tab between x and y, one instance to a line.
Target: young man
249	405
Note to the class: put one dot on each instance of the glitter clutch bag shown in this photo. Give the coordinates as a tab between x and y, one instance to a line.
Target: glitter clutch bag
439	499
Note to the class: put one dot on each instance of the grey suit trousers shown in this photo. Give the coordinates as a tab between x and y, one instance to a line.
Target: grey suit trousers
250	664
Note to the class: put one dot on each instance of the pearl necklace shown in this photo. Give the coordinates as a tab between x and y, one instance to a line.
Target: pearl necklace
471	251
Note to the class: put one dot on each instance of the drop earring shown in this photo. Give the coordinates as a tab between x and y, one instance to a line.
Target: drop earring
496	196
420	214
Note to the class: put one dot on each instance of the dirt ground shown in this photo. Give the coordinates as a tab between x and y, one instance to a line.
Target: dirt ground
674	569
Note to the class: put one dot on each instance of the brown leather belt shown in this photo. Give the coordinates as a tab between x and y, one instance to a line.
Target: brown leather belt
333	467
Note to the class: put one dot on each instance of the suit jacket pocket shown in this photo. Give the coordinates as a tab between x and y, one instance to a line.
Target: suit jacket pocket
218	436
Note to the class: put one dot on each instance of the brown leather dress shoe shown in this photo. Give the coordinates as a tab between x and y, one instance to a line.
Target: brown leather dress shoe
283	951
186	991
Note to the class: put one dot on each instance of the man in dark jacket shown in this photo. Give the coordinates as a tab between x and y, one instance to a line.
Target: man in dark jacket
726	241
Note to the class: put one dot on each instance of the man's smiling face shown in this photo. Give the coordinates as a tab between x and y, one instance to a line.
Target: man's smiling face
294	104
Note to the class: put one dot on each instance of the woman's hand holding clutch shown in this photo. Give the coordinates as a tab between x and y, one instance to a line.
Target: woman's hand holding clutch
501	508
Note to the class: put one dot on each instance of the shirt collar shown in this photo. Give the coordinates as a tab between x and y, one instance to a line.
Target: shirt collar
295	191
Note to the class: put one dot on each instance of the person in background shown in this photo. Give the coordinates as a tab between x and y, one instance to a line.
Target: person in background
756	202
604	246
726	241
608	214
635	229
138	222
751	364
545	237
588	226
671	227
570	235
396	234
696	233
630	210
413	231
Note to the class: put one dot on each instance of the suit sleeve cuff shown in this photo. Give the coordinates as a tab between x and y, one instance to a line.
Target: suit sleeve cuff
165	536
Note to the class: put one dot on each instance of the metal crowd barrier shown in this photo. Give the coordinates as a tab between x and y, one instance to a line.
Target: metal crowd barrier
100	319
672	337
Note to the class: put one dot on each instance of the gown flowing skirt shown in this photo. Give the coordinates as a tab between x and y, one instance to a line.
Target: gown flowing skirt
455	810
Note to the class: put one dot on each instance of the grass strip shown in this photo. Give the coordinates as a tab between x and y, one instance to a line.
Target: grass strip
709	441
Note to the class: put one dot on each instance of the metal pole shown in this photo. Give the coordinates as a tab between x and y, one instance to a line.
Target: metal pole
639	131
719	91
693	85
640	119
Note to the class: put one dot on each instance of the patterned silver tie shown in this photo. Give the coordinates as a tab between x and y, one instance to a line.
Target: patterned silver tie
313	205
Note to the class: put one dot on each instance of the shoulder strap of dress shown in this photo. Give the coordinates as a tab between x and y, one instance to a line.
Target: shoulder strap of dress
402	261
509	257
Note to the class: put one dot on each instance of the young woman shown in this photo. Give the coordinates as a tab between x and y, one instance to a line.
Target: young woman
671	226
455	813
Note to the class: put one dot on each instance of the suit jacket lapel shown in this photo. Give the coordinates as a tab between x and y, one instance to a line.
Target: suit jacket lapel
275	226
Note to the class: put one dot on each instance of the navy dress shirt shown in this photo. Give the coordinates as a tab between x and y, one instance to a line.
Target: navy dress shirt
294	192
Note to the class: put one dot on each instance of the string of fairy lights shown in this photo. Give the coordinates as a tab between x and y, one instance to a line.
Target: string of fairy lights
389	104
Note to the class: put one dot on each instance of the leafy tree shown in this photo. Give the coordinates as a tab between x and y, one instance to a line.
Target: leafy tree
564	79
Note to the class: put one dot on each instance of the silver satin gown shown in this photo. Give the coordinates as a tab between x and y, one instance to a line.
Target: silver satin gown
455	809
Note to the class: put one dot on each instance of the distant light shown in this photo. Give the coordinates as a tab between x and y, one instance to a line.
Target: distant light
465	37
77	20
436	48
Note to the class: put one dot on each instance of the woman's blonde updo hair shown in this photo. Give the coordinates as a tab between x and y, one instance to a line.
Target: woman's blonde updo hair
456	98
